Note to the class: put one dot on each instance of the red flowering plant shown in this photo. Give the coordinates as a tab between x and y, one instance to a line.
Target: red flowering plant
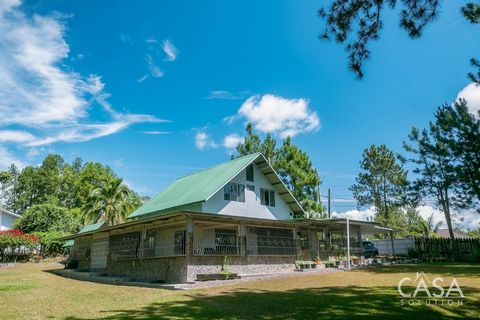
15	244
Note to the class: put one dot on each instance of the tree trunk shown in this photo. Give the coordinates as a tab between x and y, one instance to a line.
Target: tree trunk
446	210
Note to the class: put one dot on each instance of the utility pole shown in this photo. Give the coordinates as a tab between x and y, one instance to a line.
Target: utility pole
329	199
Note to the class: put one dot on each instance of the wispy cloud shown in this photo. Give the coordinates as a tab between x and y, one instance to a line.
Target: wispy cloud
126	39
156	132
154	69
41	98
227	95
170	50
204	141
278	115
142	78
155	50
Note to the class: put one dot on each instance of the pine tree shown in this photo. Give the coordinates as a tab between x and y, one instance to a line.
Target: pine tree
434	169
383	184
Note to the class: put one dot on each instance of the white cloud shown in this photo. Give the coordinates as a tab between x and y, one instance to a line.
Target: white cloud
170	50
232	141
471	94
278	115
37	92
204	141
7	158
465	220
364	215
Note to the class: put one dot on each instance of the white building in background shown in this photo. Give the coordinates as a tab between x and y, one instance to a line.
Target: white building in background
7	219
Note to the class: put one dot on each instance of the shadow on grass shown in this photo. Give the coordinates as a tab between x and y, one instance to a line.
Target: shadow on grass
450	269
315	303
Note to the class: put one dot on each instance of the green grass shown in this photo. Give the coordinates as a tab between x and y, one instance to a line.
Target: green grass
27	291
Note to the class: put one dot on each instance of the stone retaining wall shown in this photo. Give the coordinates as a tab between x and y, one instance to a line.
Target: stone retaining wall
240	265
167	269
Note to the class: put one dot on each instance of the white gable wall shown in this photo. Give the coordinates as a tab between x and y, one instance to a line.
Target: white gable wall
251	207
6	220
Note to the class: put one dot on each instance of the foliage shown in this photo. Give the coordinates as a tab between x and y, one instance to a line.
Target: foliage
15	244
48	217
459	133
356	23
112	202
474	233
383	184
50	246
54	181
292	164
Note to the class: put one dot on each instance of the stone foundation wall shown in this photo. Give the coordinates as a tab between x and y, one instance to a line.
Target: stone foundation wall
167	269
240	265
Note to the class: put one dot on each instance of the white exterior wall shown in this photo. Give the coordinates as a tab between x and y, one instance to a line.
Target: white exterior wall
401	246
251	207
6	220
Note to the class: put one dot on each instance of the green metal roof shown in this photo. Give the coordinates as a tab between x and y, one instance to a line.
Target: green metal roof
92	227
194	188
68	243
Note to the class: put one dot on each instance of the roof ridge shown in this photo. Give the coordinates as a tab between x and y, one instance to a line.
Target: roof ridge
219	164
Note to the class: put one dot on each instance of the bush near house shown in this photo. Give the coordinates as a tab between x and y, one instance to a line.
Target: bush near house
16	245
50	246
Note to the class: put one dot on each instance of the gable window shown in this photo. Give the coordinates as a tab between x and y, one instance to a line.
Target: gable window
234	192
249	172
267	197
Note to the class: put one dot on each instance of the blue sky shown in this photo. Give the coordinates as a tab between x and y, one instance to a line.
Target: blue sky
152	88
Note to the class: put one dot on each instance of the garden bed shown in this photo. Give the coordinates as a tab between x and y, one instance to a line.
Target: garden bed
216	276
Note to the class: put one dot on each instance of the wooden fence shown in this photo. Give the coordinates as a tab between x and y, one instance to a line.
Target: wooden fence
434	249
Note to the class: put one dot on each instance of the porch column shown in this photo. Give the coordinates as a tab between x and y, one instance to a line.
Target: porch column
328	240
313	242
298	250
348	243
189	240
242	238
143	235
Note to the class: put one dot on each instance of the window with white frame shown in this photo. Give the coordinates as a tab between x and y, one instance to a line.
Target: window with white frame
267	197
234	192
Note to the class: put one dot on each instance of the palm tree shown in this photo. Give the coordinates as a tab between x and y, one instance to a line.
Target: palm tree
429	228
112	203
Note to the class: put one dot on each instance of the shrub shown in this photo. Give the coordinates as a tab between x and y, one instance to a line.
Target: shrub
474	257
50	246
16	245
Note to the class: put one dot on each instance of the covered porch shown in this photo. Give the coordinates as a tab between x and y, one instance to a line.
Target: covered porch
332	240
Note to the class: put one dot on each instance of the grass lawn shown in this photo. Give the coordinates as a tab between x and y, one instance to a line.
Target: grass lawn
27	291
